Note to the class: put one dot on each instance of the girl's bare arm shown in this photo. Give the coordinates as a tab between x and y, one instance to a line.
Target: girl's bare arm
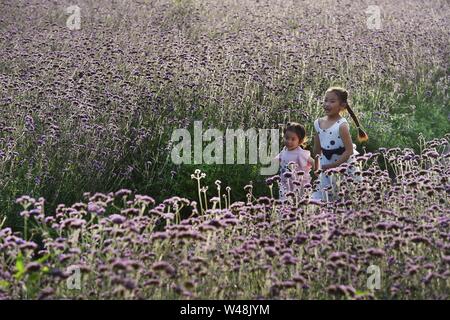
312	163
316	150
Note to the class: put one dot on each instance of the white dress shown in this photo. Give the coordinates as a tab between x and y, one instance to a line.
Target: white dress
332	148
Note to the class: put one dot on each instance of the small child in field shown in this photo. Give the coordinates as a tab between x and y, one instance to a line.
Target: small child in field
295	162
333	141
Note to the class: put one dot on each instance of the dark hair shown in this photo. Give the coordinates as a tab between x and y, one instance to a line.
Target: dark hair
343	96
298	129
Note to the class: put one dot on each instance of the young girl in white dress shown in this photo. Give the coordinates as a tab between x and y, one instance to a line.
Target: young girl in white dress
333	141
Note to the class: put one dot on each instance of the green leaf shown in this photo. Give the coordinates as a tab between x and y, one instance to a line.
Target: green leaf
20	266
361	293
4	284
43	258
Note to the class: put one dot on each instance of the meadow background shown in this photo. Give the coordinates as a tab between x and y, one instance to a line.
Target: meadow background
92	110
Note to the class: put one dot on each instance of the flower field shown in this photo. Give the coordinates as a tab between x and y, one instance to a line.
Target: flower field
92	207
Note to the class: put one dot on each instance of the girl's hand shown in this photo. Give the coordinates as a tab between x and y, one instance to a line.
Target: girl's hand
317	172
317	169
311	163
317	162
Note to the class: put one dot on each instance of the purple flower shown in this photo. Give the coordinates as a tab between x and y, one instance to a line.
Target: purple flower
300	238
33	267
164	266
122	193
144	199
271	251
446	259
288	259
287	175
95	208
159	235
130	212
117	218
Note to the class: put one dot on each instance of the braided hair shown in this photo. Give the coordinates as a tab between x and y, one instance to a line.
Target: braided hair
342	94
